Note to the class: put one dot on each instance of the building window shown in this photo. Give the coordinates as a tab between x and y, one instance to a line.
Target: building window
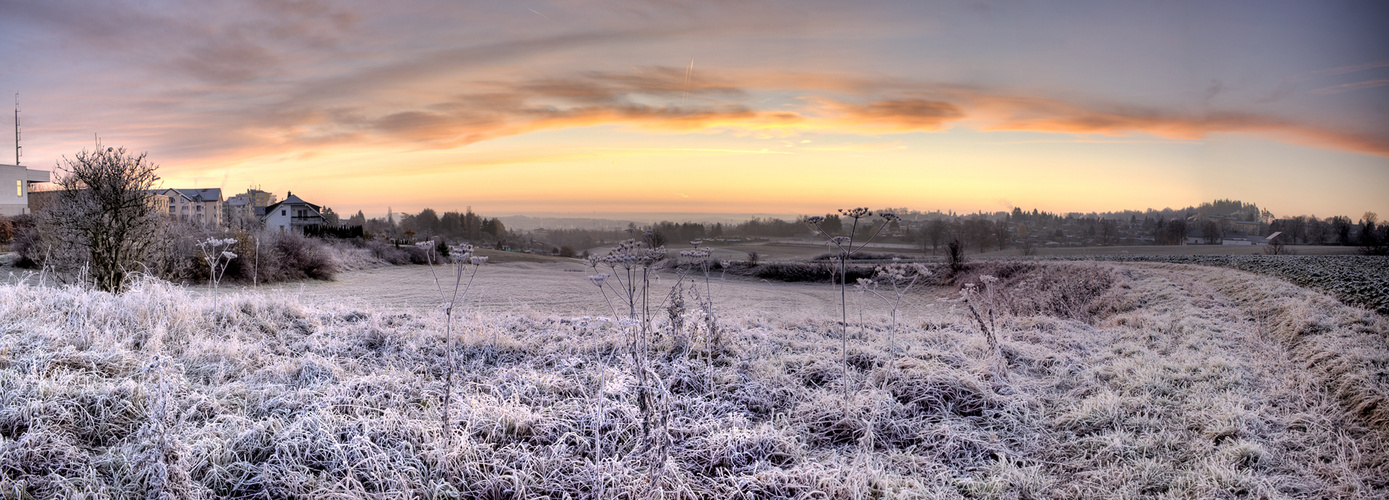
19	188
282	214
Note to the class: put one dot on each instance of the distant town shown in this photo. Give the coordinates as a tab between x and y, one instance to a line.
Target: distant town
1220	222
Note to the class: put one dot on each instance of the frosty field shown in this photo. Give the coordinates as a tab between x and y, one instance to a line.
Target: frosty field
1121	380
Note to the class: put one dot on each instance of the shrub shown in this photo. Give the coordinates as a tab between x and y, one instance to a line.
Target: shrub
397	254
275	257
955	255
103	214
6	230
807	271
861	256
26	241
297	257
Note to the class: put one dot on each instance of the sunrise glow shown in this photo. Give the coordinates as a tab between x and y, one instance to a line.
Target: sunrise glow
766	108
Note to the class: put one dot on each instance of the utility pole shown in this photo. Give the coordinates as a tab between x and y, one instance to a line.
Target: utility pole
16	128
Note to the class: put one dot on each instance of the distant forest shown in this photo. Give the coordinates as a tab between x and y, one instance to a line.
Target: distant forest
982	231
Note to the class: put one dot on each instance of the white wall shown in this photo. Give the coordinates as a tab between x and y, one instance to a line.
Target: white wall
279	219
14	188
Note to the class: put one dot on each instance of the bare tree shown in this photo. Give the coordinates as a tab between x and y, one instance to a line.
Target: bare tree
1317	231
1211	232
1003	235
935	232
105	212
1374	240
1109	231
1027	246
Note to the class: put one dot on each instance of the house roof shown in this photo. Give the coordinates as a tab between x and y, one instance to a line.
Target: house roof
198	195
291	199
210	194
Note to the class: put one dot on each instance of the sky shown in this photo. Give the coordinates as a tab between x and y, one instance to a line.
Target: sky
723	107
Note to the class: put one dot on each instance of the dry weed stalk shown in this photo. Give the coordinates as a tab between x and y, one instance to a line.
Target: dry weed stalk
846	247
967	294
462	257
632	266
902	277
712	334
218	255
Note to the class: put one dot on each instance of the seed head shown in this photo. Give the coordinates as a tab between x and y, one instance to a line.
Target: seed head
695	254
921	269
856	213
597	279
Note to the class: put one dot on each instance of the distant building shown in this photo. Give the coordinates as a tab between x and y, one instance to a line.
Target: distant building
15	181
292	215
1243	239
243	211
1196	237
158	202
1234	223
201	206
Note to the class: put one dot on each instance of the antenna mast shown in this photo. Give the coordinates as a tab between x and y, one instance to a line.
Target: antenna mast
16	128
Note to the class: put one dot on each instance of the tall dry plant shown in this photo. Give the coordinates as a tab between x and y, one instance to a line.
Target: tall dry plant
846	246
901	277
462	258
969	294
217	254
632	267
702	257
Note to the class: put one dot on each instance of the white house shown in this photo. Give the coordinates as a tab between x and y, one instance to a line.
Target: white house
292	214
14	187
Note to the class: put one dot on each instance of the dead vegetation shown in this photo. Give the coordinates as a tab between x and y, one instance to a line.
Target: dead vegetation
1123	381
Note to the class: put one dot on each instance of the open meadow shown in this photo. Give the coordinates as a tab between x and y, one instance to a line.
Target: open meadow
1108	380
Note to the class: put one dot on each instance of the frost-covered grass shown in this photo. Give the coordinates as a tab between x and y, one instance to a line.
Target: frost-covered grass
1358	279
1123	380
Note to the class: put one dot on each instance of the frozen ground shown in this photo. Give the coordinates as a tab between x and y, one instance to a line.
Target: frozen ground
1113	381
563	288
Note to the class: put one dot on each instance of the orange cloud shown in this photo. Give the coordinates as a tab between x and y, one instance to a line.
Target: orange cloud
900	115
1044	115
666	99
